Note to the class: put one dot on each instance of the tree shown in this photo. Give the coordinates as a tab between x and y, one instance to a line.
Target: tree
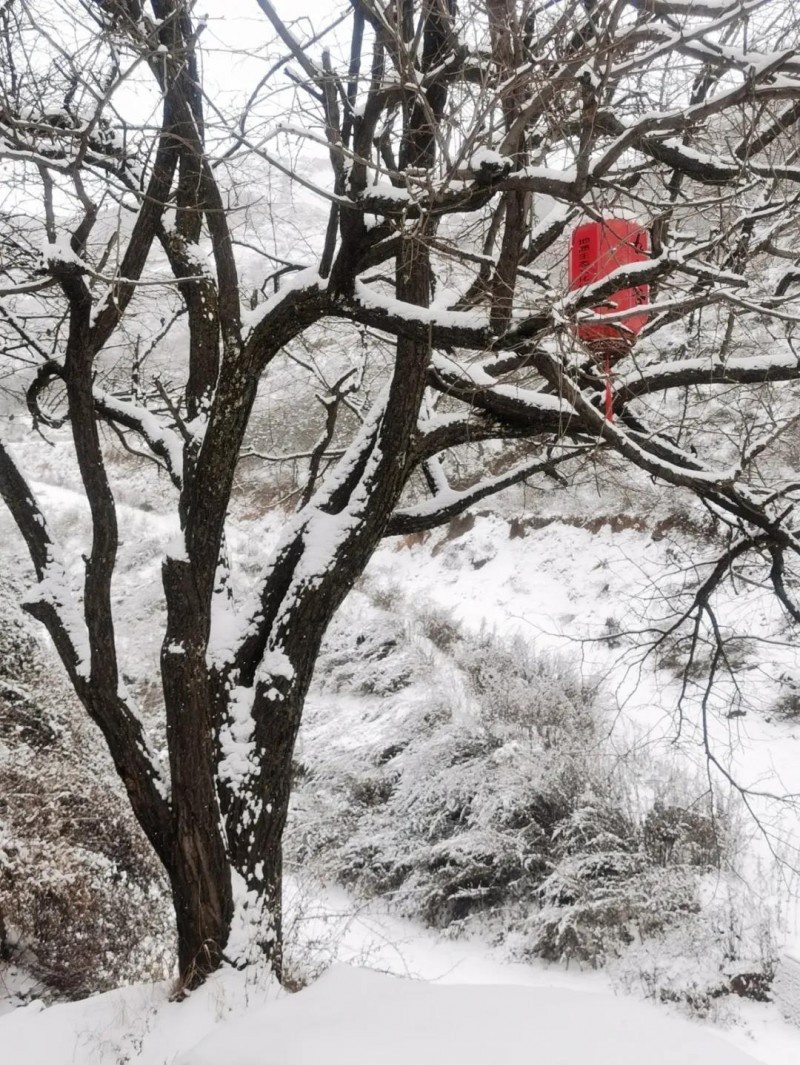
463	145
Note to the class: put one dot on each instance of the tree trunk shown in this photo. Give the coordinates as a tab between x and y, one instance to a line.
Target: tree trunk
202	899
198	863
255	817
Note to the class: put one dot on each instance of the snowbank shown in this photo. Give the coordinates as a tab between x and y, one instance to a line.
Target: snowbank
358	1017
133	1024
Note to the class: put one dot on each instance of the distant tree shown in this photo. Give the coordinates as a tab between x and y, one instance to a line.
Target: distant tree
464	144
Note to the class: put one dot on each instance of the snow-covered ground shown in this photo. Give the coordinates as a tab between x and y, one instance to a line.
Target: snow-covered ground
557	584
356	1017
424	1000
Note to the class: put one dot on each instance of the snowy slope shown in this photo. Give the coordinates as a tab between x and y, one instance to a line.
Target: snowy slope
553	582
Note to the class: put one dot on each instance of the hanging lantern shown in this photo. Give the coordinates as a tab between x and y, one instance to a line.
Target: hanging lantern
597	249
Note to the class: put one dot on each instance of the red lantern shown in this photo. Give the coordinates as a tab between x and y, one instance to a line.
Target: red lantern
597	249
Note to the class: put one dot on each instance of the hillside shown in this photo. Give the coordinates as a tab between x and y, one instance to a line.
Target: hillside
473	699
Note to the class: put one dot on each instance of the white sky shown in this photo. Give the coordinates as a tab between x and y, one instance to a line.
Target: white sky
239	44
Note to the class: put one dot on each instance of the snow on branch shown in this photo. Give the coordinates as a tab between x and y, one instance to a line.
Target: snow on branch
547	181
780	366
466	329
511	403
697	8
449	503
659	133
437	326
163	442
304	288
303	556
657	457
627	276
52	601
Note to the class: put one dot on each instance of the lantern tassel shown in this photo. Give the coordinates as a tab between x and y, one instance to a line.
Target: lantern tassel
609	390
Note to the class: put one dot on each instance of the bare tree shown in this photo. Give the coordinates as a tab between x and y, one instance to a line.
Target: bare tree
464	143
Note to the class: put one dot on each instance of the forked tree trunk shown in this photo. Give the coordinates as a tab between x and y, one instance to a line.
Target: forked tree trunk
225	860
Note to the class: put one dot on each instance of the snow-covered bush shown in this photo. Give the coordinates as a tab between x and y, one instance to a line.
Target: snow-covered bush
82	902
606	891
452	805
482	794
728	946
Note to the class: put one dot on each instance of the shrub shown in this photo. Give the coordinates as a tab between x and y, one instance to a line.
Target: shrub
787	704
483	794
82	901
674	835
726	947
605	891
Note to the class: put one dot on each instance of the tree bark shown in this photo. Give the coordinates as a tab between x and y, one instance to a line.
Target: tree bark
198	863
202	900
